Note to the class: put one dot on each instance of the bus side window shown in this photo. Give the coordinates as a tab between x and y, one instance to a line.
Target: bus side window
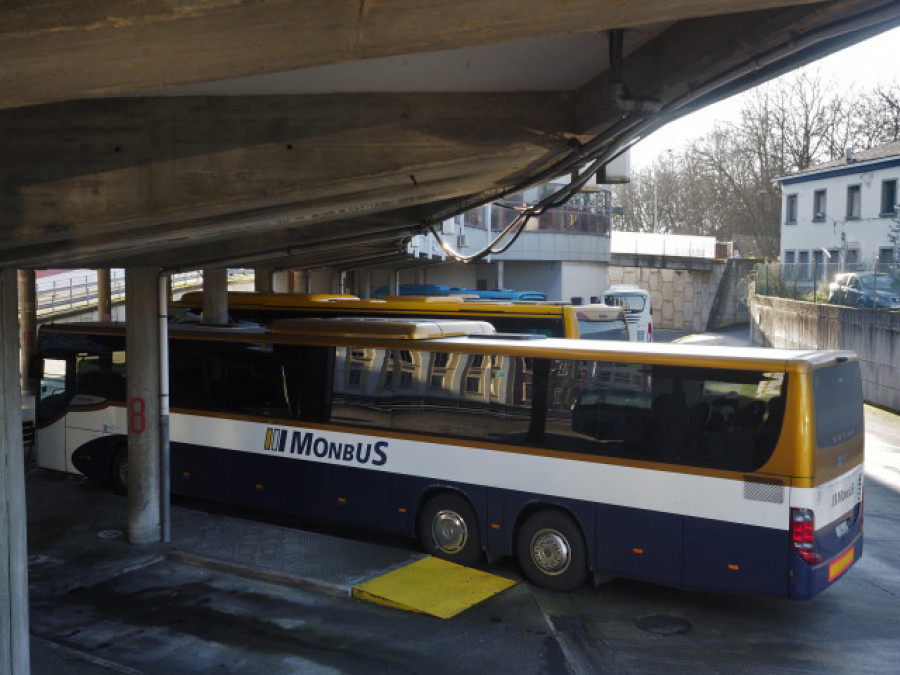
93	374
254	383
769	430
311	376
537	427
195	372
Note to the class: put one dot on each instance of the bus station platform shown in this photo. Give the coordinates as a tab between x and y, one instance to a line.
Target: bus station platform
77	538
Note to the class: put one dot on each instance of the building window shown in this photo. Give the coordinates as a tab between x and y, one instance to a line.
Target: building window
886	255
819	257
819	204
790	257
852	256
853	202
803	259
790	209
889	197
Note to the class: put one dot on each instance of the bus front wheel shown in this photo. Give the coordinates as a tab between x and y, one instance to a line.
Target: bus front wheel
448	529
119	471
551	551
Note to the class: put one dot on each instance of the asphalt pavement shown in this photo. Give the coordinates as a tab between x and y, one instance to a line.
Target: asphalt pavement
77	539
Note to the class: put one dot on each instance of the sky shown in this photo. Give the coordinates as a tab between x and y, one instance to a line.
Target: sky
863	66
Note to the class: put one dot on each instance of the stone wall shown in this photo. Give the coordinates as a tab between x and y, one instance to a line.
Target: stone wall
873	334
682	297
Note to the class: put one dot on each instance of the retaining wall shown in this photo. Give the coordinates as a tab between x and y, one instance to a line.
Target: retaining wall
873	334
688	294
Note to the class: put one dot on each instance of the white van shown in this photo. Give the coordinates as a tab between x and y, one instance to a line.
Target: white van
638	309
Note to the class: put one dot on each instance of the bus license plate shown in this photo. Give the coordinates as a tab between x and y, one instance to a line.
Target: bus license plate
842	529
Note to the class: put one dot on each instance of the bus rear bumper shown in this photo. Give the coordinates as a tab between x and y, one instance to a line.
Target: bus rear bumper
807	581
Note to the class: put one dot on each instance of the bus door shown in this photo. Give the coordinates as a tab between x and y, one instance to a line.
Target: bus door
81	398
50	425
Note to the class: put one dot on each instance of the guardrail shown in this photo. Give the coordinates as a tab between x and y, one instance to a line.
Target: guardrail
78	293
809	281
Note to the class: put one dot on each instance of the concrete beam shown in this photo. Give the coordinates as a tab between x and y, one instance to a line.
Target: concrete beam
120	176
52	50
735	52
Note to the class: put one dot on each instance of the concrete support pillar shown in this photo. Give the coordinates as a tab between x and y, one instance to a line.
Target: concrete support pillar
14	641
27	327
281	281
262	279
394	287
215	296
162	322
104	295
143	368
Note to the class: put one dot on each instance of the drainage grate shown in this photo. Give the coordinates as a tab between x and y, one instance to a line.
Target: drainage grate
660	624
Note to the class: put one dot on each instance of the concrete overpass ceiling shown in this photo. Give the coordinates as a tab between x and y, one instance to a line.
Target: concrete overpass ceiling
181	134
556	63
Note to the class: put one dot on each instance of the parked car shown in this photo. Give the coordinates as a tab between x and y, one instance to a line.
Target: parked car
865	289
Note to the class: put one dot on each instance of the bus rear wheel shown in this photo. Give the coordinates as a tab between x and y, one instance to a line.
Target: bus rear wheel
551	551
448	529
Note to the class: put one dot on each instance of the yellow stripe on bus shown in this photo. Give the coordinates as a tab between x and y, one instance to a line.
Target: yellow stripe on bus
838	567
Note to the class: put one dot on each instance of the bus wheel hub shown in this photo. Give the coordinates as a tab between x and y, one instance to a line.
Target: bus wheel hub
449	531
550	552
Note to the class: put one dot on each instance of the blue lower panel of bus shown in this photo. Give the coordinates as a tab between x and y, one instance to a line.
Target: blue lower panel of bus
680	551
640	544
808	580
307	489
733	557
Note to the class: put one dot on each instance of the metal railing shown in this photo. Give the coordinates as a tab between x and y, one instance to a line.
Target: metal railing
810	281
73	293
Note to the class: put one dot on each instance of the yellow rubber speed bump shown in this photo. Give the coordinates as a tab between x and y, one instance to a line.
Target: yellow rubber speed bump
432	586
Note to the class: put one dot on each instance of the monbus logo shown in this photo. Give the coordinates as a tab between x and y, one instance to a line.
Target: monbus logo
307	443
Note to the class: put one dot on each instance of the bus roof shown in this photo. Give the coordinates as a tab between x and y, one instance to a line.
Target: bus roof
408	303
479	337
362	327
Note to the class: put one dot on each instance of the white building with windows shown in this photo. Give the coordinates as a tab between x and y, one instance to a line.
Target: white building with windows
840	213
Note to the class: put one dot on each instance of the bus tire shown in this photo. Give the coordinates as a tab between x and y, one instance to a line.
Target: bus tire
551	551
118	470
448	529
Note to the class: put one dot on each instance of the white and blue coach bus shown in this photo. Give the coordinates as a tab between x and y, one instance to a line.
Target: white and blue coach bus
717	468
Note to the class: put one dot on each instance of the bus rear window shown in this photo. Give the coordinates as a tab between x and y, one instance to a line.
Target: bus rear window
616	329
837	397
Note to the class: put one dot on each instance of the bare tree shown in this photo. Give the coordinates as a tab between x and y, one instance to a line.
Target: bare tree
722	184
879	116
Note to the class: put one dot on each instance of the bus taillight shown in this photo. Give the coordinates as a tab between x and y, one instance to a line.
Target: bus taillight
803	534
